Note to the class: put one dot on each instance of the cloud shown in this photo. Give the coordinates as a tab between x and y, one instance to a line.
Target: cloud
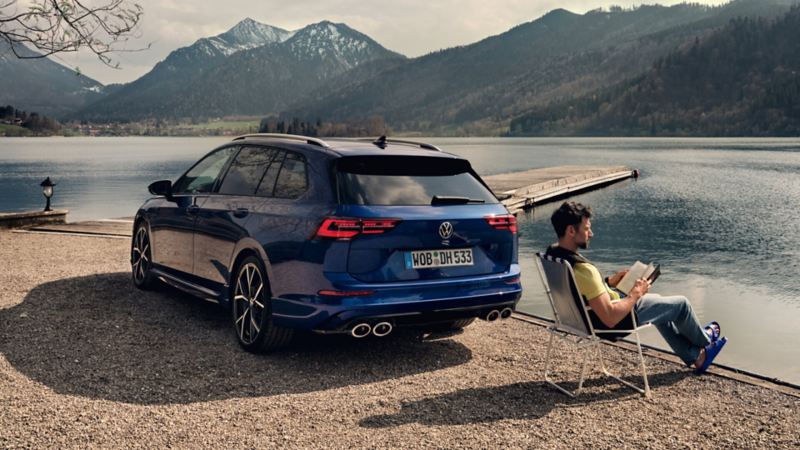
410	27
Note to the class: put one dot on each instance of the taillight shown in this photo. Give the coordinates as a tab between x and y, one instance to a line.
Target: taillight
339	228
504	222
348	228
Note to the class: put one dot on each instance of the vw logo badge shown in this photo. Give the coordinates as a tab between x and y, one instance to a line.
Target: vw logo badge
446	230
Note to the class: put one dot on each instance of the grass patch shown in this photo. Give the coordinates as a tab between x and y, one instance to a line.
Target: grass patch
13	130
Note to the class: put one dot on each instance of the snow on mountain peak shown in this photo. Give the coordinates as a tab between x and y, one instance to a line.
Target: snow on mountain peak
248	34
328	39
322	40
248	30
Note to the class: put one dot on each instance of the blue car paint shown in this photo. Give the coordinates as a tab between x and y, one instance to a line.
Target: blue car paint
197	240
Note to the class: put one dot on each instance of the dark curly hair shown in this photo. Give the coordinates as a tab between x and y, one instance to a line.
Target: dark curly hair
569	213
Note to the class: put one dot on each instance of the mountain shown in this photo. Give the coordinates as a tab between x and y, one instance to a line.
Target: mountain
245	35
267	79
140	98
479	87
43	86
743	80
238	73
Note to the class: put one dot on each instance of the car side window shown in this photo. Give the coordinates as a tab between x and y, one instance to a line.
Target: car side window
246	171
267	185
292	181
202	177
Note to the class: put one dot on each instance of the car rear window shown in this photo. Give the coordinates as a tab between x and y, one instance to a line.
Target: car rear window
407	180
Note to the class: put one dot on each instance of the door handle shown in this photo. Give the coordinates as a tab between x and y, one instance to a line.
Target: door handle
192	209
241	212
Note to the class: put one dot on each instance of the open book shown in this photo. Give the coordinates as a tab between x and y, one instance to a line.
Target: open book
638	270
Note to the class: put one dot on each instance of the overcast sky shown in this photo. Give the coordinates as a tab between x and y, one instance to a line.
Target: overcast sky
410	27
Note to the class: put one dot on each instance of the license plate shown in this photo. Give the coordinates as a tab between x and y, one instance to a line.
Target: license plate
428	259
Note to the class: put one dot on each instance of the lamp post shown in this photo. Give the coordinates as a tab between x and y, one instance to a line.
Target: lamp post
47	191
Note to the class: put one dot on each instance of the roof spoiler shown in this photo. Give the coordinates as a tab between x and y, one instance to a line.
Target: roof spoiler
383	140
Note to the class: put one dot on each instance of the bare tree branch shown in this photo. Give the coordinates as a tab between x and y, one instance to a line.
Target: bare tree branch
62	26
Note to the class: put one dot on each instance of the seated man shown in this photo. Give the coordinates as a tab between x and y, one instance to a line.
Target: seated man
672	316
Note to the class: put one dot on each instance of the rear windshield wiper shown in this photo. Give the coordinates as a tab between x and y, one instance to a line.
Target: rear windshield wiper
449	200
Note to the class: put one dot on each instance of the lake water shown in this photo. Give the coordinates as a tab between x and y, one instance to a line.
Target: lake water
718	214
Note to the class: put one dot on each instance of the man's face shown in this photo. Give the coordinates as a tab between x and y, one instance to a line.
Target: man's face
583	234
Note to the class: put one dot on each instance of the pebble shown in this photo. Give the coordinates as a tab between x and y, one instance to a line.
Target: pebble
172	376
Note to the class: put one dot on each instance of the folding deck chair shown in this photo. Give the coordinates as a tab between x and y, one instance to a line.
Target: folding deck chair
573	324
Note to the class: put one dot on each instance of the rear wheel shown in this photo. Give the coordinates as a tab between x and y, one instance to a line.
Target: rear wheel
141	259
252	310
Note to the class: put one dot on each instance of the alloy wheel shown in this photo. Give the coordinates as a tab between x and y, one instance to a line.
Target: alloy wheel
140	256
248	303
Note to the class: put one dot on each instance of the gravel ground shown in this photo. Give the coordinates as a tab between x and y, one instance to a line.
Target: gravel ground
88	361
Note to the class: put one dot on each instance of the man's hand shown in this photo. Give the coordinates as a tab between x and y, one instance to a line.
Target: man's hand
613	280
641	287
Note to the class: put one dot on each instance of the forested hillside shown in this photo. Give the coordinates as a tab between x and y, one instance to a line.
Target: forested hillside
479	88
42	85
743	80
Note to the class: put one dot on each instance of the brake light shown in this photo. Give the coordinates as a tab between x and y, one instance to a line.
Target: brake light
504	222
348	228
339	228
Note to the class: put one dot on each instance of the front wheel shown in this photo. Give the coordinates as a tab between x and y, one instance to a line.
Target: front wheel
142	259
252	310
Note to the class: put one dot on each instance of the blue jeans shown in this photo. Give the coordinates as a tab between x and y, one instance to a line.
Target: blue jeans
675	320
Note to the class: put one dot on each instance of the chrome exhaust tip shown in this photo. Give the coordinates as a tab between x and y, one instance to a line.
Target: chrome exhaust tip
506	313
382	329
492	315
361	330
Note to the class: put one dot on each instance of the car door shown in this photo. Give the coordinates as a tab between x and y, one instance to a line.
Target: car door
283	222
172	223
221	220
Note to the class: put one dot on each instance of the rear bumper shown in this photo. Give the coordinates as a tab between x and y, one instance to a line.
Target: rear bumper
402	304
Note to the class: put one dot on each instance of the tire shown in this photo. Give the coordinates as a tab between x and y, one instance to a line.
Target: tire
252	310
142	259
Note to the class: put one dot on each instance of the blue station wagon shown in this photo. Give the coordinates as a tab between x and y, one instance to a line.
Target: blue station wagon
336	236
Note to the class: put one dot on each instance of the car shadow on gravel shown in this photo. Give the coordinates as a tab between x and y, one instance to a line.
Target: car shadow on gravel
99	337
525	401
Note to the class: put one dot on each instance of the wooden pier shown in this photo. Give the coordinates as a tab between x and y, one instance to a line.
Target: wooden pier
521	190
119	228
31	218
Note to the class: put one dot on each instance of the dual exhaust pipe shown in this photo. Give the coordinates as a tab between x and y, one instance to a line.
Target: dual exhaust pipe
382	329
364	329
495	314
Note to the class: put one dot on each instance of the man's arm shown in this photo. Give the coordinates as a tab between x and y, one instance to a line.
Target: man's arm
611	313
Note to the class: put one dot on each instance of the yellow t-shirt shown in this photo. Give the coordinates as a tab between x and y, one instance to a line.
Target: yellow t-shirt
590	283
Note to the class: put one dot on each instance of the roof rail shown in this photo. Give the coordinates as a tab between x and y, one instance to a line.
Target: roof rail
383	140
290	137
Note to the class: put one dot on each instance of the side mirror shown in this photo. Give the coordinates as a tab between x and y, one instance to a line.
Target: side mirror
163	187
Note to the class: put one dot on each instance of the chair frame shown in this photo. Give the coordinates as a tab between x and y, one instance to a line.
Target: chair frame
585	337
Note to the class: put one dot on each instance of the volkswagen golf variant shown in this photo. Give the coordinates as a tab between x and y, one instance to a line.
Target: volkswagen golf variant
334	236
